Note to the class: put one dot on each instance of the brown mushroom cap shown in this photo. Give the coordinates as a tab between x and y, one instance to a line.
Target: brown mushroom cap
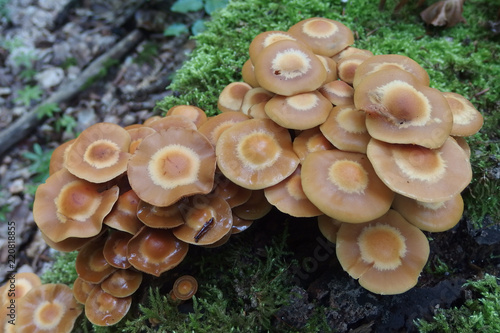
248	74
467	120
239	224
441	13
324	36
82	289
69	244
256	153
266	38
289	197
347	67
233	194
350	50
24	282
345	128
155	251
232	95
103	309
66	206
47	308
122	283
387	61
159	217
344	186
462	142
402	110
386	254
428	216
115	249
172	164
123	215
58	156
301	111
429	175
184	288
329	227
100	153
338	92
214	126
193	113
330	67
308	141
172	121
254	96
254	208
136	136
287	68
207	220
90	264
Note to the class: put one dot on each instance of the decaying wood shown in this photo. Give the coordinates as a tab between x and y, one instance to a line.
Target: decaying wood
25	124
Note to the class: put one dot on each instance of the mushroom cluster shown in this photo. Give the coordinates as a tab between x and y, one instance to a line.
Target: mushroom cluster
317	128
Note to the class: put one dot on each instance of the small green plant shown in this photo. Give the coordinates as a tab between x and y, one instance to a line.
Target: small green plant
438	267
480	314
47	110
147	53
28	94
39	166
63	270
68	62
66	123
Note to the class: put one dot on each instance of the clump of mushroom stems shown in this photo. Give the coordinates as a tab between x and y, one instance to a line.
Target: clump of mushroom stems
301	133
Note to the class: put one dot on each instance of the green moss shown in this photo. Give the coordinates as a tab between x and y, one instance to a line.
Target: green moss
63	270
479	314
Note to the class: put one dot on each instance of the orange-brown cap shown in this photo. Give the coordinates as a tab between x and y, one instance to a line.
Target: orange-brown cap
193	113
104	309
115	249
467	120
215	125
254	208
231	96
58	156
386	254
338	92
123	216
266	38
136	136
184	288
122	283
82	289
308	141
329	227
159	217
90	264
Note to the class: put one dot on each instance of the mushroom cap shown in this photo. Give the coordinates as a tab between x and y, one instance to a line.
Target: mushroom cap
69	244
171	164
467	120
58	156
248	74
428	216
462	142
324	36
233	194
386	254
214	126
387	61
99	153
348	66
66	206
155	251
159	217
104	309
82	289
345	128
338	92
90	263
193	113
232	95
287	68
239	224
329	227
350	50
301	111
289	197
122	283
344	186
330	67
115	249
402	110
256	153
266	38
254	208
175	120
136	136
441	13
207	220
24	282
308	141
184	287
254	96
47	308
429	175
123	216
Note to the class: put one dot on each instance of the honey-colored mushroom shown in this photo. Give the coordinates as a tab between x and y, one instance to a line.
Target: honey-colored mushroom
90	264
123	216
122	283
184	288
104	309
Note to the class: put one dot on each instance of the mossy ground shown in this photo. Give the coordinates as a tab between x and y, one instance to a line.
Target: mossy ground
463	59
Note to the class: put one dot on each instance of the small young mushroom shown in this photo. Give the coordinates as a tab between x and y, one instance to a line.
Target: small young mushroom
155	251
429	175
159	217
233	194
301	111
386	254
104	309
329	227
90	263
287	68
82	289
66	206
58	156
467	120
207	219
184	288
254	208
172	121
430	216
338	92
308	141
347	67
122	283
123	216
47	308
256	153
115	249
232	95
330	67
193	113
171	164
136	136
99	153
248	74
239	224
324	36
253	97
344	186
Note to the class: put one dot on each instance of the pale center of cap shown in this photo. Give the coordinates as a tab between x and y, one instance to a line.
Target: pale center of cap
348	176
102	154
258	150
294	187
303	102
275	37
462	113
290	64
77	201
319	28
352	120
383	246
419	163
402	104
48	315
174	165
